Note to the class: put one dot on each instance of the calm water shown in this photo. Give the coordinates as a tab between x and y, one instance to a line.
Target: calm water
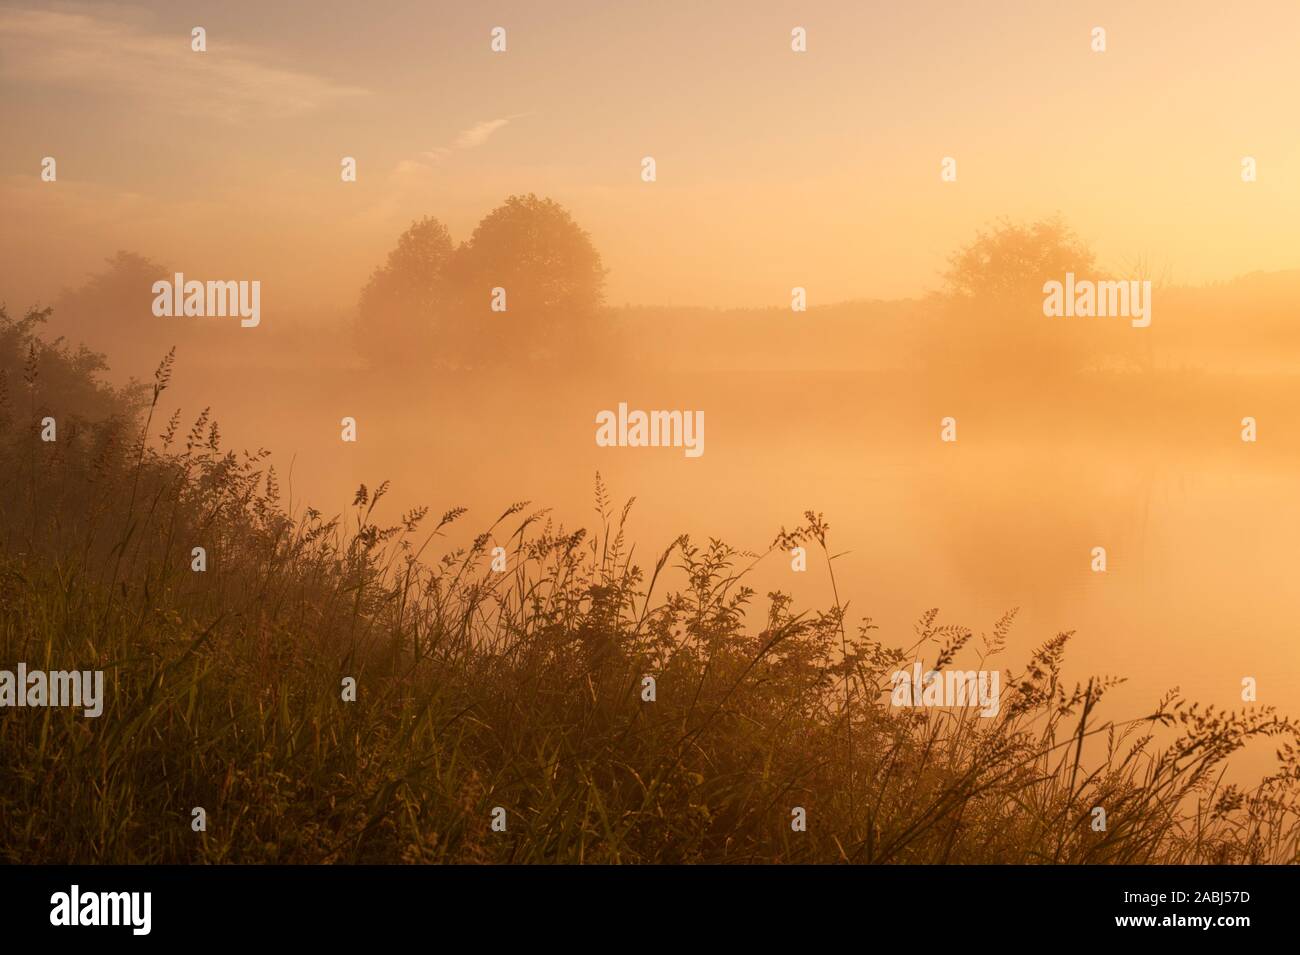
1200	529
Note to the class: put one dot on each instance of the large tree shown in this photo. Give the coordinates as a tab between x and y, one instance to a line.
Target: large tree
552	278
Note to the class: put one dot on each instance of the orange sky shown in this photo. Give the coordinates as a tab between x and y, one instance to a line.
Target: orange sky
775	168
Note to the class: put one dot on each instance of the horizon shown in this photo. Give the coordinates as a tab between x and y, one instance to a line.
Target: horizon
820	170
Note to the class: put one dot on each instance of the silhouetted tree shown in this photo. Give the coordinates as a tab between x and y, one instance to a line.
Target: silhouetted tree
995	322
431	303
113	312
553	279
404	306
40	377
1012	261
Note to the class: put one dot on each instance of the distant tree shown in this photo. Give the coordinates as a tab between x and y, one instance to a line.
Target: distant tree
994	300
431	303
405	305
553	279
113	312
1013	261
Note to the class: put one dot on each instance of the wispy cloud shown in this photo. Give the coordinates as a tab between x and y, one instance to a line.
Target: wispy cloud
471	138
478	134
114	54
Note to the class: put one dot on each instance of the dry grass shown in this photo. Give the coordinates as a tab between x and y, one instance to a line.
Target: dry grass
519	689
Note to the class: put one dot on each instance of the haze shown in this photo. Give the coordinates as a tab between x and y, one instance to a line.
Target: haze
775	170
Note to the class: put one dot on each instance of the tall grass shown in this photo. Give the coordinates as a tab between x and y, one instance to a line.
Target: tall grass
520	689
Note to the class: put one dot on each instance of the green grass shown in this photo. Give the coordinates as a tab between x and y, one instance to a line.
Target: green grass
520	690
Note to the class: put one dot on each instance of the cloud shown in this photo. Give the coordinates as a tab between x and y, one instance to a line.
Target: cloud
470	138
95	53
478	134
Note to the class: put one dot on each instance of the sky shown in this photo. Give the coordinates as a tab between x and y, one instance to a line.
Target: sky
774	168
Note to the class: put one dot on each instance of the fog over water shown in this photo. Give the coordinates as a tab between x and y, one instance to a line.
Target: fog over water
1199	527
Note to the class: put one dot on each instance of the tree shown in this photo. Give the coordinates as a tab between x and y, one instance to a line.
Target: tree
405	301
113	312
995	320
552	278
40	377
1013	261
